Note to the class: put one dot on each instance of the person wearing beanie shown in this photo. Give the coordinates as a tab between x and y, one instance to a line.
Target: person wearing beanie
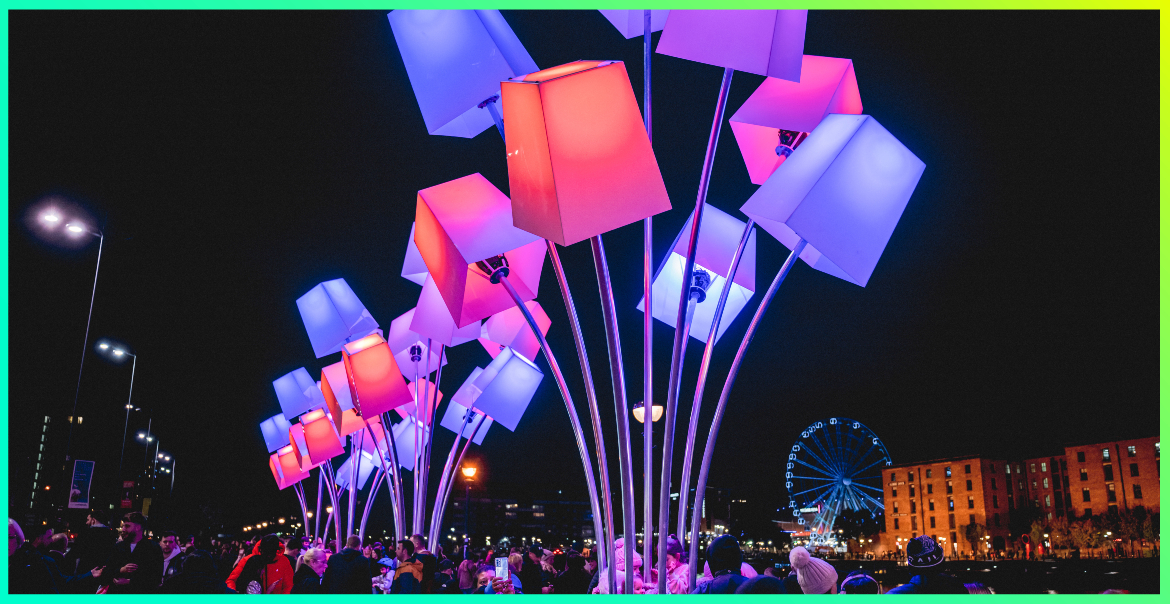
678	573
814	575
724	557
762	584
860	582
923	556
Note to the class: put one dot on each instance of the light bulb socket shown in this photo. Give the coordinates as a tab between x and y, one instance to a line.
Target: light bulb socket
415	353
700	283
789	141
496	268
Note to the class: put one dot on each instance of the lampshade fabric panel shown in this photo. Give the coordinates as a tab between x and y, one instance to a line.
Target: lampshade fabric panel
764	42
423	388
413	267
365	467
827	85
844	193
332	313
321	437
507	385
579	161
297	393
400	338
432	318
632	22
376	382
275	432
453	420
509	329
455	60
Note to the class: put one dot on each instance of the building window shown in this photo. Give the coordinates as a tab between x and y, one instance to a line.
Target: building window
894	490
968	485
993	487
930	505
951	521
1133	469
1088	512
893	477
995	501
1043	466
1105	454
1137	491
1108	472
929	473
1018	469
1050	515
1046	482
910	477
1081	456
1110	493
929	488
950	504
1032	468
947	471
1007	468
895	507
971	519
913	506
1085	495
895	524
1084	475
970	502
932	522
912	489
1021	485
967	469
1064	466
992	467
1130	451
1034	484
1047	501
996	519
950	488
914	523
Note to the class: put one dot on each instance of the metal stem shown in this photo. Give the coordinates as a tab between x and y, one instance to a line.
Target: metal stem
647	334
126	427
427	444
447	475
396	475
320	484
621	409
709	450
299	489
370	503
451	483
355	457
84	347
688	268
491	107
555	368
416	513
700	385
604	539
670	414
394	501
336	515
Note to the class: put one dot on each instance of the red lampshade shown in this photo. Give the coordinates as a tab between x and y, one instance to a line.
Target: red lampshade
376	384
321	436
288	466
579	160
300	450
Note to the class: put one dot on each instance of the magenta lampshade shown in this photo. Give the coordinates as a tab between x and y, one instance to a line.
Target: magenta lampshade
455	60
413	267
432	319
297	393
632	22
719	235
827	85
400	338
464	221
509	329
333	315
299	447
764	42
843	193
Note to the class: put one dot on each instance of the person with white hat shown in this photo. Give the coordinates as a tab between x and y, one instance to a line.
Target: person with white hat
814	575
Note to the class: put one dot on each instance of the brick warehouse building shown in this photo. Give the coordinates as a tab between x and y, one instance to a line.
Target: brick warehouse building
941	497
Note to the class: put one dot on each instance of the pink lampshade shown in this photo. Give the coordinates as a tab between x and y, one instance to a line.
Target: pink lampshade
632	22
509	329
285	467
400	338
298	449
376	384
334	387
432	320
425	388
464	221
579	161
827	85
321	436
413	267
764	42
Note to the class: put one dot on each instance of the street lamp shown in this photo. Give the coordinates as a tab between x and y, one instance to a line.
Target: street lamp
639	411
469	476
119	352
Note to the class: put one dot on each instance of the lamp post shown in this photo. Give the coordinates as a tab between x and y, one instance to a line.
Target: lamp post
119	353
469	476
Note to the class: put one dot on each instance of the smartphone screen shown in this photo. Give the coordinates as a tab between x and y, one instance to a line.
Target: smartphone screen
502	568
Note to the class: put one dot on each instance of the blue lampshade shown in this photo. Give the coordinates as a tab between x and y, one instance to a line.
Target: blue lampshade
843	193
333	315
463	399
507	385
275	431
404	440
298	393
366	466
719	236
455	60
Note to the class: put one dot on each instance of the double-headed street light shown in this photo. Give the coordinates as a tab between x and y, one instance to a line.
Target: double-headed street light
118	353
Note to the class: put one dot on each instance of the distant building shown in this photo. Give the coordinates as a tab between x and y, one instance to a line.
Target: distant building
549	521
1114	476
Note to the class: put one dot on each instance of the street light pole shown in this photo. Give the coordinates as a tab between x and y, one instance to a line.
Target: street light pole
469	475
129	406
85	346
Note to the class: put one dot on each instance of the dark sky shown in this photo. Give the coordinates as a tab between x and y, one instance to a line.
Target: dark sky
236	159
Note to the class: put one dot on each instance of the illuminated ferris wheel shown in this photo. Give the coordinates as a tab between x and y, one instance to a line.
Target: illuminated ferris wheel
836	465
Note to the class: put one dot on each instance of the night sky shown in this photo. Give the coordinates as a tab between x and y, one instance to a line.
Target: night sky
236	159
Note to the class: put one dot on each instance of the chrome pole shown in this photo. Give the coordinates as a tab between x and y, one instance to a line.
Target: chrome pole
709	450
126	426
416	512
436	512
647	335
621	409
605	539
704	368
355	456
676	357
387	472
320	484
396	474
429	412
451	483
590	480
370	503
85	345
336	515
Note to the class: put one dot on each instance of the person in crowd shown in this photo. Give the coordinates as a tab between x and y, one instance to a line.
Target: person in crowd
348	571
137	563
445	580
58	543
815	576
408	577
678	573
292	550
548	571
189	544
32	572
40	537
574	579
978	588
621	559
429	561
93	547
761	584
265	571
311	566
197	574
923	555
860	582
466	574
530	569
724	558
172	554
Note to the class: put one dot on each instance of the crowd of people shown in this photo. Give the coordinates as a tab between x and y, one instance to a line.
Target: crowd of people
102	560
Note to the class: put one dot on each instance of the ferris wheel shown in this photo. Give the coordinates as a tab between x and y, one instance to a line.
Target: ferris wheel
836	465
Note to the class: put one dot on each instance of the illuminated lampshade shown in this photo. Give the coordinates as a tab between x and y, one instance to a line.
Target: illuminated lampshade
455	60
413	267
333	315
294	457
509	329
579	160
843	193
295	476
632	22
400	338
719	235
464	221
640	412
275	431
461	401
366	465
404	440
827	85
506	387
334	387
764	42
425	388
432	319
376	384
321	437
297	393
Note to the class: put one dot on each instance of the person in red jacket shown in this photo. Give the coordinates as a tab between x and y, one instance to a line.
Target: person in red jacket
265	571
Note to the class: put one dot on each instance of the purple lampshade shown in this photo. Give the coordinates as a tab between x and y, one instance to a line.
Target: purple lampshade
333	315
400	338
275	431
297	392
764	42
632	22
413	267
432	319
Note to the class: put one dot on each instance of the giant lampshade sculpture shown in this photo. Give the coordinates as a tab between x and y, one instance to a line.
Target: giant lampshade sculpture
297	392
457	419
321	437
432	319
275	432
376	384
764	42
455	60
402	340
413	267
508	329
778	116
630	22
422	412
333	315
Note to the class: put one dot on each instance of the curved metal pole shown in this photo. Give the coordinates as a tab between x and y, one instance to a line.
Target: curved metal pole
670	414
126	427
647	335
709	450
85	345
688	268
441	506
430	412
700	385
355	455
395	503
370	503
416	496
336	515
299	489
320	485
590	480
447	474
604	539
621	409
396	475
